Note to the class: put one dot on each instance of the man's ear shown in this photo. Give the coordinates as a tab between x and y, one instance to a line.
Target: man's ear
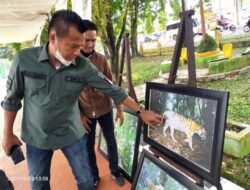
52	37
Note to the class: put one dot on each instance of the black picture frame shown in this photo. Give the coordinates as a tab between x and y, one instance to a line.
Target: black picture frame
131	130
202	114
157	174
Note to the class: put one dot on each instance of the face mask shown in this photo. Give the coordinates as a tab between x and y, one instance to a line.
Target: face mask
60	58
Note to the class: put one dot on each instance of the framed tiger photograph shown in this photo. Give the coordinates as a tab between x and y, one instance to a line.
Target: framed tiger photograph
154	173
192	133
128	140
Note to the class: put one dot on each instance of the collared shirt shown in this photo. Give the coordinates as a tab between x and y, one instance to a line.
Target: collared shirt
92	103
51	117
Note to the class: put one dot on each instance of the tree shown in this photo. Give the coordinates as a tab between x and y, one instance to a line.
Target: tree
111	18
203	28
69	5
146	11
45	32
176	7
134	21
16	46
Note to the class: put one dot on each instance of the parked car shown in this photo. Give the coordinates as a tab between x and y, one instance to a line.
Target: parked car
152	37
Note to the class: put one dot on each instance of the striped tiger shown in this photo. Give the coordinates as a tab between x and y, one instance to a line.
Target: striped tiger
183	124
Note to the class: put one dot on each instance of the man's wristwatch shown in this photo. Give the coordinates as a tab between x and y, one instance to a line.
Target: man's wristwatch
140	109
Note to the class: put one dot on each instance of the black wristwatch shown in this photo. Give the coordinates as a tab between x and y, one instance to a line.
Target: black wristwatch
140	109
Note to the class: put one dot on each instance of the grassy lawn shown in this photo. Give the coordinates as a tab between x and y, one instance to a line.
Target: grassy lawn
236	170
145	68
148	68
239	99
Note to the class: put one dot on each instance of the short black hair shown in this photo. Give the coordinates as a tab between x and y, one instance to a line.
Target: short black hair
88	25
62	20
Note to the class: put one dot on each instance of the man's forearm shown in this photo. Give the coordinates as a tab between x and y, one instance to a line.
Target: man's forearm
119	107
129	102
9	118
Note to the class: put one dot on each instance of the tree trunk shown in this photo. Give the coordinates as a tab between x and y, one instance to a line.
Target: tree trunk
102	14
203	28
112	45
105	49
113	63
134	20
236	5
115	46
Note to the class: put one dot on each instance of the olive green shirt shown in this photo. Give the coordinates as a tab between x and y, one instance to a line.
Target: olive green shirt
51	117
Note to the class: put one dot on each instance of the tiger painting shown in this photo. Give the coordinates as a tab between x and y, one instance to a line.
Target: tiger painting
178	122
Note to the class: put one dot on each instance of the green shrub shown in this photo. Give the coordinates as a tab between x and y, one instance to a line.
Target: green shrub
165	66
209	44
202	62
228	65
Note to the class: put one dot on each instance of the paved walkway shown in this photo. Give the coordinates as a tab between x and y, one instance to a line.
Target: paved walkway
61	175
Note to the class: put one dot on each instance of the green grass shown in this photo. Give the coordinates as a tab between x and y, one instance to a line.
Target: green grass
148	68
237	170
233	169
239	99
145	68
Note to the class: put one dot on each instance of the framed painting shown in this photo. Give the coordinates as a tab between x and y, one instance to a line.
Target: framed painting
153	173
193	132
128	140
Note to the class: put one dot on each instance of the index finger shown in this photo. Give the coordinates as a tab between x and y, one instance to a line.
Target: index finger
159	118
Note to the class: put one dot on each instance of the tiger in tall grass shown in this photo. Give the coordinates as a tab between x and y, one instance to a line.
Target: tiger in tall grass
178	122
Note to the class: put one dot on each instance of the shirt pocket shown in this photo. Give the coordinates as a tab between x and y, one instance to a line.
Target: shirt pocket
74	83
34	84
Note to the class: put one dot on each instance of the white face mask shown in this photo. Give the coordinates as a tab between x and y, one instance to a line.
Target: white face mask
60	58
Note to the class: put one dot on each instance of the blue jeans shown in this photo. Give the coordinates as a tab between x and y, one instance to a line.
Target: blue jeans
39	162
107	125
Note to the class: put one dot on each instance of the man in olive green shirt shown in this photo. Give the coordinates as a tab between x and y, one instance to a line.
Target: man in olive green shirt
50	79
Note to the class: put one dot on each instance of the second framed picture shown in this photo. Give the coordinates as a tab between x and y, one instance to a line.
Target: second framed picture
193	132
153	173
128	139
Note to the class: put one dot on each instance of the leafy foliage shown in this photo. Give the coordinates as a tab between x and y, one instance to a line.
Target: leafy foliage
175	5
111	20
209	44
162	19
16	46
69	5
149	12
45	32
44	35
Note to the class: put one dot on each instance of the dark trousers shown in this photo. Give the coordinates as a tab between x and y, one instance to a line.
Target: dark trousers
107	126
39	162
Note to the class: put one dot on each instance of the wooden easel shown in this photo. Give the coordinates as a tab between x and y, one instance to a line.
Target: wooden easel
185	32
126	52
185	36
